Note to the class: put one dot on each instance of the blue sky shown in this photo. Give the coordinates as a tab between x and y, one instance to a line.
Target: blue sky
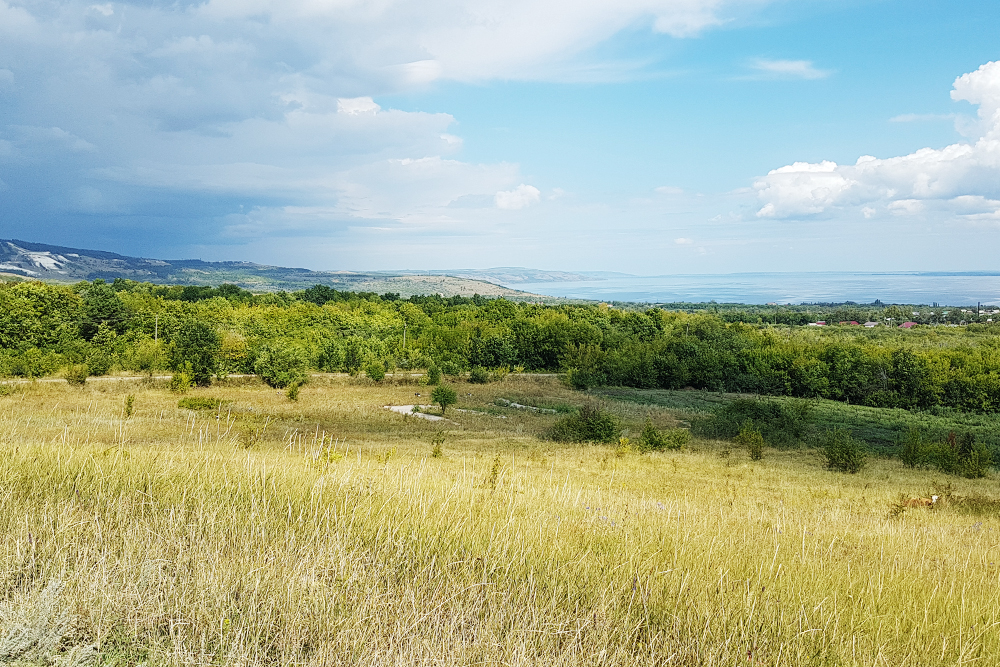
645	136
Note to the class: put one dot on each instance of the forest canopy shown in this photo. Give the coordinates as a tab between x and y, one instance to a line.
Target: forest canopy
138	327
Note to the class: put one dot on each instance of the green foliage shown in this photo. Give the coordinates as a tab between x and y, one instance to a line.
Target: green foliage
293	391
129	406
450	368
199	403
375	370
479	375
77	374
750	438
433	376
182	380
281	367
653	439
963	454
843	453
780	424
331	356
196	347
589	425
444	396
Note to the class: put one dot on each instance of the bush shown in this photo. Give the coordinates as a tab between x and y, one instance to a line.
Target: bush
958	455
293	391
444	396
375	370
583	378
450	368
781	424
843	452
974	457
433	375
181	381
590	425
281	367
479	375
77	374
751	439
652	439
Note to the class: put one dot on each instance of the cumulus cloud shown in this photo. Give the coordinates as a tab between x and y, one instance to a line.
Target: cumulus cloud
179	113
357	105
940	179
787	69
521	196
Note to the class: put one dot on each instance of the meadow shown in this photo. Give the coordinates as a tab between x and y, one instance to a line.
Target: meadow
328	531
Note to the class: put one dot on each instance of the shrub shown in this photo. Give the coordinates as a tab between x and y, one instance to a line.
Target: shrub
450	368
331	357
444	396
843	452
77	374
433	375
590	425
583	378
781	423
181	381
974	457
750	438
912	451
653	439
99	363
479	375
281	367
375	370
293	391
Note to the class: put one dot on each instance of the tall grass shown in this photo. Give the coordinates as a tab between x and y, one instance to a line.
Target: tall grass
169	538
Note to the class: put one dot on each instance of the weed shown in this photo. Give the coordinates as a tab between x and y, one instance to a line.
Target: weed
494	475
437	444
293	391
386	455
129	406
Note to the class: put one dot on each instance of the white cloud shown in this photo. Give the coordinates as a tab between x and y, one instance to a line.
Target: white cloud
669	190
521	196
357	105
788	69
938	178
684	241
107	9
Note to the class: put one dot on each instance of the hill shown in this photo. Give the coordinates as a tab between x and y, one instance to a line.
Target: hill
52	263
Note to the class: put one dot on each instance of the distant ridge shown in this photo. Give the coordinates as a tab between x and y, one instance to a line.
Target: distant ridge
41	261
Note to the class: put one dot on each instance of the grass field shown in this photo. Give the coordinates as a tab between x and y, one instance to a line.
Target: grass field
324	532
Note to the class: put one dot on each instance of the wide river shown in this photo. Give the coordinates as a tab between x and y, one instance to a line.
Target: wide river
951	289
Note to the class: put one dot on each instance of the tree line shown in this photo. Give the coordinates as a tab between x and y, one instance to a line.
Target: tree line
211	331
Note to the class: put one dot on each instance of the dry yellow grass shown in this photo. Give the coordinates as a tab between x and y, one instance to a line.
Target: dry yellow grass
323	532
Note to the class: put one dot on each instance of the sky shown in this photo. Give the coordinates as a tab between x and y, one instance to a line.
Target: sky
643	136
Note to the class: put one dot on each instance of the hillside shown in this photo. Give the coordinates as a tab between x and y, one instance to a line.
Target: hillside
61	264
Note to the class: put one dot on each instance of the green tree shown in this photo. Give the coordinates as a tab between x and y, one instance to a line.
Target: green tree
282	367
101	305
444	396
198	344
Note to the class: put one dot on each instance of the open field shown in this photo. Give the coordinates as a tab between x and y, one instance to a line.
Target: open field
324	532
